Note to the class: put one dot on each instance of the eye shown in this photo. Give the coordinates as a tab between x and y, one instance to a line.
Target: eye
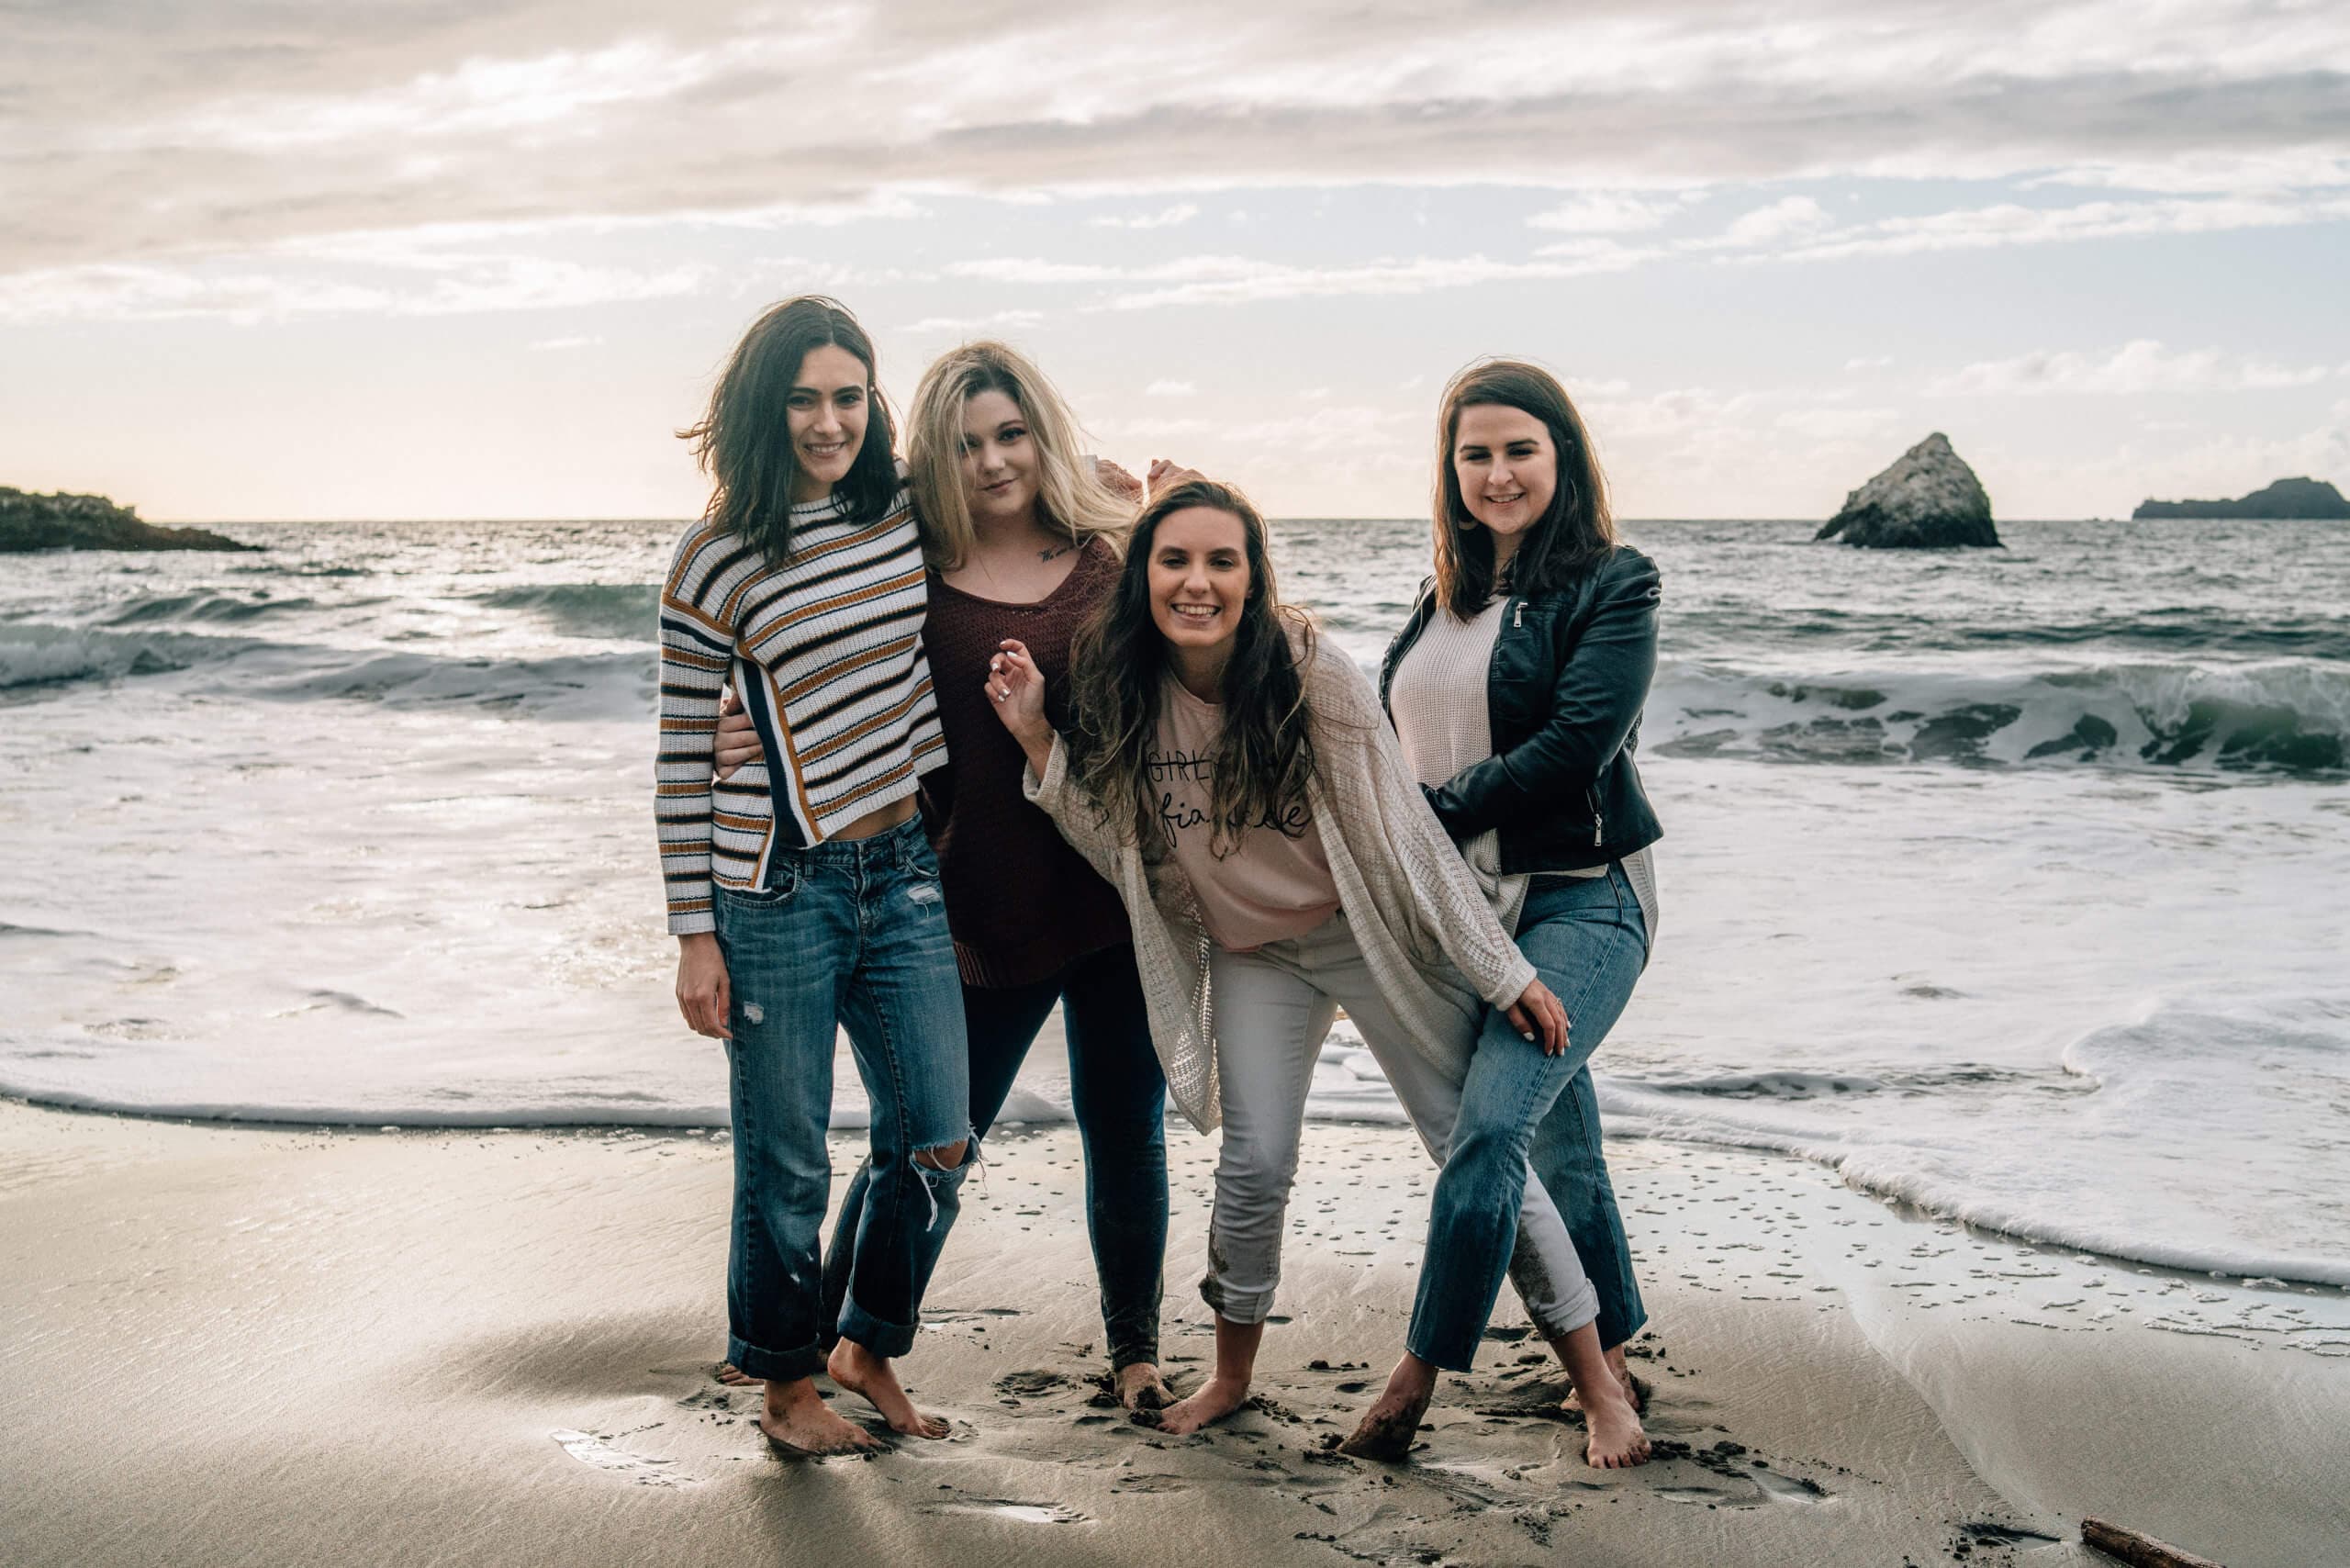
1011	433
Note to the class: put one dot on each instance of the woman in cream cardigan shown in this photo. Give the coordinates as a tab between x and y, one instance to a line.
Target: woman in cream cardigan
1273	871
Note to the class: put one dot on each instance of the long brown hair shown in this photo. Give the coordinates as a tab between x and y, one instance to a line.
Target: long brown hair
1119	667
744	442
1070	501
1574	535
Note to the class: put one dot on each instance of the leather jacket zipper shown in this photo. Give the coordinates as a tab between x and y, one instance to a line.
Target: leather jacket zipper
1598	832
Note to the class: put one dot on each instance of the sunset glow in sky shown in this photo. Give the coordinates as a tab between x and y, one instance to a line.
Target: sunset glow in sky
481	259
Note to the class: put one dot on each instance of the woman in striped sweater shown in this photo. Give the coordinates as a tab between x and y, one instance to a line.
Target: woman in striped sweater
803	892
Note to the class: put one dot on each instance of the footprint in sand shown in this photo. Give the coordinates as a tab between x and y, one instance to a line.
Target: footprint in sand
1032	1383
597	1454
1008	1508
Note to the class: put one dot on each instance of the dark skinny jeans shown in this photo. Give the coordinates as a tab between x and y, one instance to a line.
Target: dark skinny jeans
1119	1096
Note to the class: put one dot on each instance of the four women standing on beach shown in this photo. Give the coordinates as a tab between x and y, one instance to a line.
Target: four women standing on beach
1241	790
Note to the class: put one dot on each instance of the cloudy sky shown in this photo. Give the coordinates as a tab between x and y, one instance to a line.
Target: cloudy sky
480	258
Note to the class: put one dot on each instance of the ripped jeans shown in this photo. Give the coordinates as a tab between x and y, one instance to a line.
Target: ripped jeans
846	934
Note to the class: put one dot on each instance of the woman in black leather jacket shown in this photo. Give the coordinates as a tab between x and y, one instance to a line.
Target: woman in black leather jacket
1516	688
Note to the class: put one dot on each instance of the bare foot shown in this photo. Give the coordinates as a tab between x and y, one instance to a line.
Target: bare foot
1140	1388
1616	1441
1387	1428
872	1378
733	1376
1635	1390
799	1423
1217	1398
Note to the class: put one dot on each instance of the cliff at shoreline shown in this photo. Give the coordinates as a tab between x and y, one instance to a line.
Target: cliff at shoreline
2286	499
61	521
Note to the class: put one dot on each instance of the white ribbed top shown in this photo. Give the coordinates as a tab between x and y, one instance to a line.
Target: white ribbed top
1439	701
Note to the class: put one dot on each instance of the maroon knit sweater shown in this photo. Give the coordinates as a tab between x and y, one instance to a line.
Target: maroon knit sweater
1020	901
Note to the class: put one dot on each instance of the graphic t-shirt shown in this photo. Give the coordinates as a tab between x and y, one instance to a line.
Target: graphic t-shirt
1276	883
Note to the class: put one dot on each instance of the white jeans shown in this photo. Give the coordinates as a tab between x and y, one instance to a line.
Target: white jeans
1273	1007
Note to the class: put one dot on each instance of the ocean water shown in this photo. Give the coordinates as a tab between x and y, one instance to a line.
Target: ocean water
2012	884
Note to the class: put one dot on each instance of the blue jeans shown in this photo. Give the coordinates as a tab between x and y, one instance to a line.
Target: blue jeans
1120	1098
1522	1110
846	934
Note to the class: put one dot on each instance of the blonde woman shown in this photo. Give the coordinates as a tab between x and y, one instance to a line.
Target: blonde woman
1023	541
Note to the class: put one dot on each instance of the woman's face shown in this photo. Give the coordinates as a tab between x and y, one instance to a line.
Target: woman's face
1199	577
824	417
999	459
1506	467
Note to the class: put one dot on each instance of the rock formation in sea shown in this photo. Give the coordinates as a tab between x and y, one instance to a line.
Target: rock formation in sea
1930	500
2285	498
63	521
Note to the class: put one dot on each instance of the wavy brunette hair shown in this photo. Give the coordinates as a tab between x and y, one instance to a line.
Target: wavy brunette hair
744	443
1070	501
1118	666
1572	536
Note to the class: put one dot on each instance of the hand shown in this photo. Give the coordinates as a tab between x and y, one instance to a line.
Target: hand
738	738
1537	1010
1016	686
1165	475
1116	480
704	995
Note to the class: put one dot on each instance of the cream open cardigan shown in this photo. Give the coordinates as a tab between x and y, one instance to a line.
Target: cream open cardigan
1423	923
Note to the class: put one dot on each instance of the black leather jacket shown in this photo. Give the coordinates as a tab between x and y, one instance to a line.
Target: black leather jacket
1571	672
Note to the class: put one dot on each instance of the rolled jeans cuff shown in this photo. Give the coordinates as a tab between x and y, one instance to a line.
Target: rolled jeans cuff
1556	1320
1236	1306
886	1339
774	1366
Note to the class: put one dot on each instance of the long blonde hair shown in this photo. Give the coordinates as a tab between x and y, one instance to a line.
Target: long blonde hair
1070	501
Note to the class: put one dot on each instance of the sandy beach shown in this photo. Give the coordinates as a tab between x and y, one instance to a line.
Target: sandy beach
240	1345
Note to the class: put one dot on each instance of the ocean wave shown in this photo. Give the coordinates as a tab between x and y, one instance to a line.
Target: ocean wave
36	660
2288	717
580	686
215	609
34	655
621	610
2177	631
2111	1156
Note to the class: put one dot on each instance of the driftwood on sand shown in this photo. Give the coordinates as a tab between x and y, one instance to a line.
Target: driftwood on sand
2138	1551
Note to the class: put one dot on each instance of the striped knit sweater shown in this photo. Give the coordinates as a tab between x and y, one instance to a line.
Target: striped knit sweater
826	653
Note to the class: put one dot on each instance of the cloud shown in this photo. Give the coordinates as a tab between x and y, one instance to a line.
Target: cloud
249	294
1172	389
2142	365
1241	280
1611	212
1166	218
1788	218
137	133
994	322
2010	223
547	345
1869	362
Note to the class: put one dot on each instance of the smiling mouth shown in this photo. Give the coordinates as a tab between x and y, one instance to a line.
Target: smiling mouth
1196	611
1509	500
820	449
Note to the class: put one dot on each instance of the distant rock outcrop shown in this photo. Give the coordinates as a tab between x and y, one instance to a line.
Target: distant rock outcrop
61	522
2284	498
1930	500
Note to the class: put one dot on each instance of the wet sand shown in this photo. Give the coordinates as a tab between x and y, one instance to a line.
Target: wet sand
235	1345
